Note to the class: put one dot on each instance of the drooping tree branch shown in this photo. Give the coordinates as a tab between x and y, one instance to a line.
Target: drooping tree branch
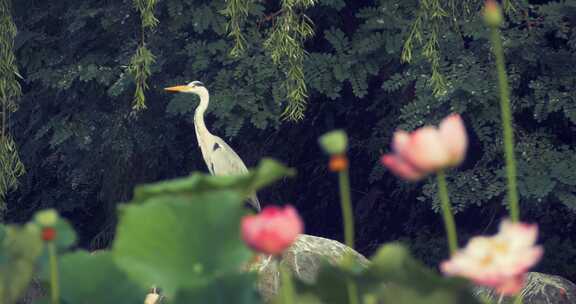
143	59
285	43
10	165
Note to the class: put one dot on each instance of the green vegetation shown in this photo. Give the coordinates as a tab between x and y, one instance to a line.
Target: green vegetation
159	240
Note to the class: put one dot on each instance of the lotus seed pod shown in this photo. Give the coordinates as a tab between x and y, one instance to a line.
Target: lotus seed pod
334	142
47	217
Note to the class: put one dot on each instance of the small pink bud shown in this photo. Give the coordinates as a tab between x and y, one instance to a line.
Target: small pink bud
273	230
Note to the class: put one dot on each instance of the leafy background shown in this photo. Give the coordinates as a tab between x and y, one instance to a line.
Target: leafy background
85	148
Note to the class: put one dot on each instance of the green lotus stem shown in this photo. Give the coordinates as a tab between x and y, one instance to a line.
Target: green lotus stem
348	218
518	299
370	299
352	292
346	205
447	215
54	286
508	131
286	284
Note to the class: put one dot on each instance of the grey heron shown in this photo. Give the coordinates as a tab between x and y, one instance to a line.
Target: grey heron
219	157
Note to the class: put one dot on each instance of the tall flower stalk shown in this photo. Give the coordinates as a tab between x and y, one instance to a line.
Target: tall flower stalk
54	280
447	214
49	237
335	143
287	287
47	219
428	150
341	162
493	17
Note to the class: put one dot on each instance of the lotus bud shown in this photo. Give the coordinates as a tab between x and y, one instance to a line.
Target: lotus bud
46	218
493	13
334	142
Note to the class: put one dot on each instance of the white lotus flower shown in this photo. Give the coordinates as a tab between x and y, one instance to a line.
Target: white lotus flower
500	261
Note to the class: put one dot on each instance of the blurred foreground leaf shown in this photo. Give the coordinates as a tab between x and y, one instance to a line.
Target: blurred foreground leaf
392	277
267	172
181	240
20	247
236	288
406	280
95	279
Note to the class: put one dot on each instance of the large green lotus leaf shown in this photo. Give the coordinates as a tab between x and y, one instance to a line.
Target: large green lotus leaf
267	172
96	279
234	288
175	241
399	278
20	248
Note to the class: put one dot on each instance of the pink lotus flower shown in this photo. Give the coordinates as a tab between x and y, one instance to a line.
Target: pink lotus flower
427	149
273	230
500	261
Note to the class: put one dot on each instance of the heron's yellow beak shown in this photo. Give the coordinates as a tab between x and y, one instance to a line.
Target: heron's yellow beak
180	88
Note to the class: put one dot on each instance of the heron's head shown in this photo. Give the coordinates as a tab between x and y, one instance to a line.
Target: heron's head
194	87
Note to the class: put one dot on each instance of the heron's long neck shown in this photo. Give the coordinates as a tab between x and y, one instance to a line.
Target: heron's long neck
199	124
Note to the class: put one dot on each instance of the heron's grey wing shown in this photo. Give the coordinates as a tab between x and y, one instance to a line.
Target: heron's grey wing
224	161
